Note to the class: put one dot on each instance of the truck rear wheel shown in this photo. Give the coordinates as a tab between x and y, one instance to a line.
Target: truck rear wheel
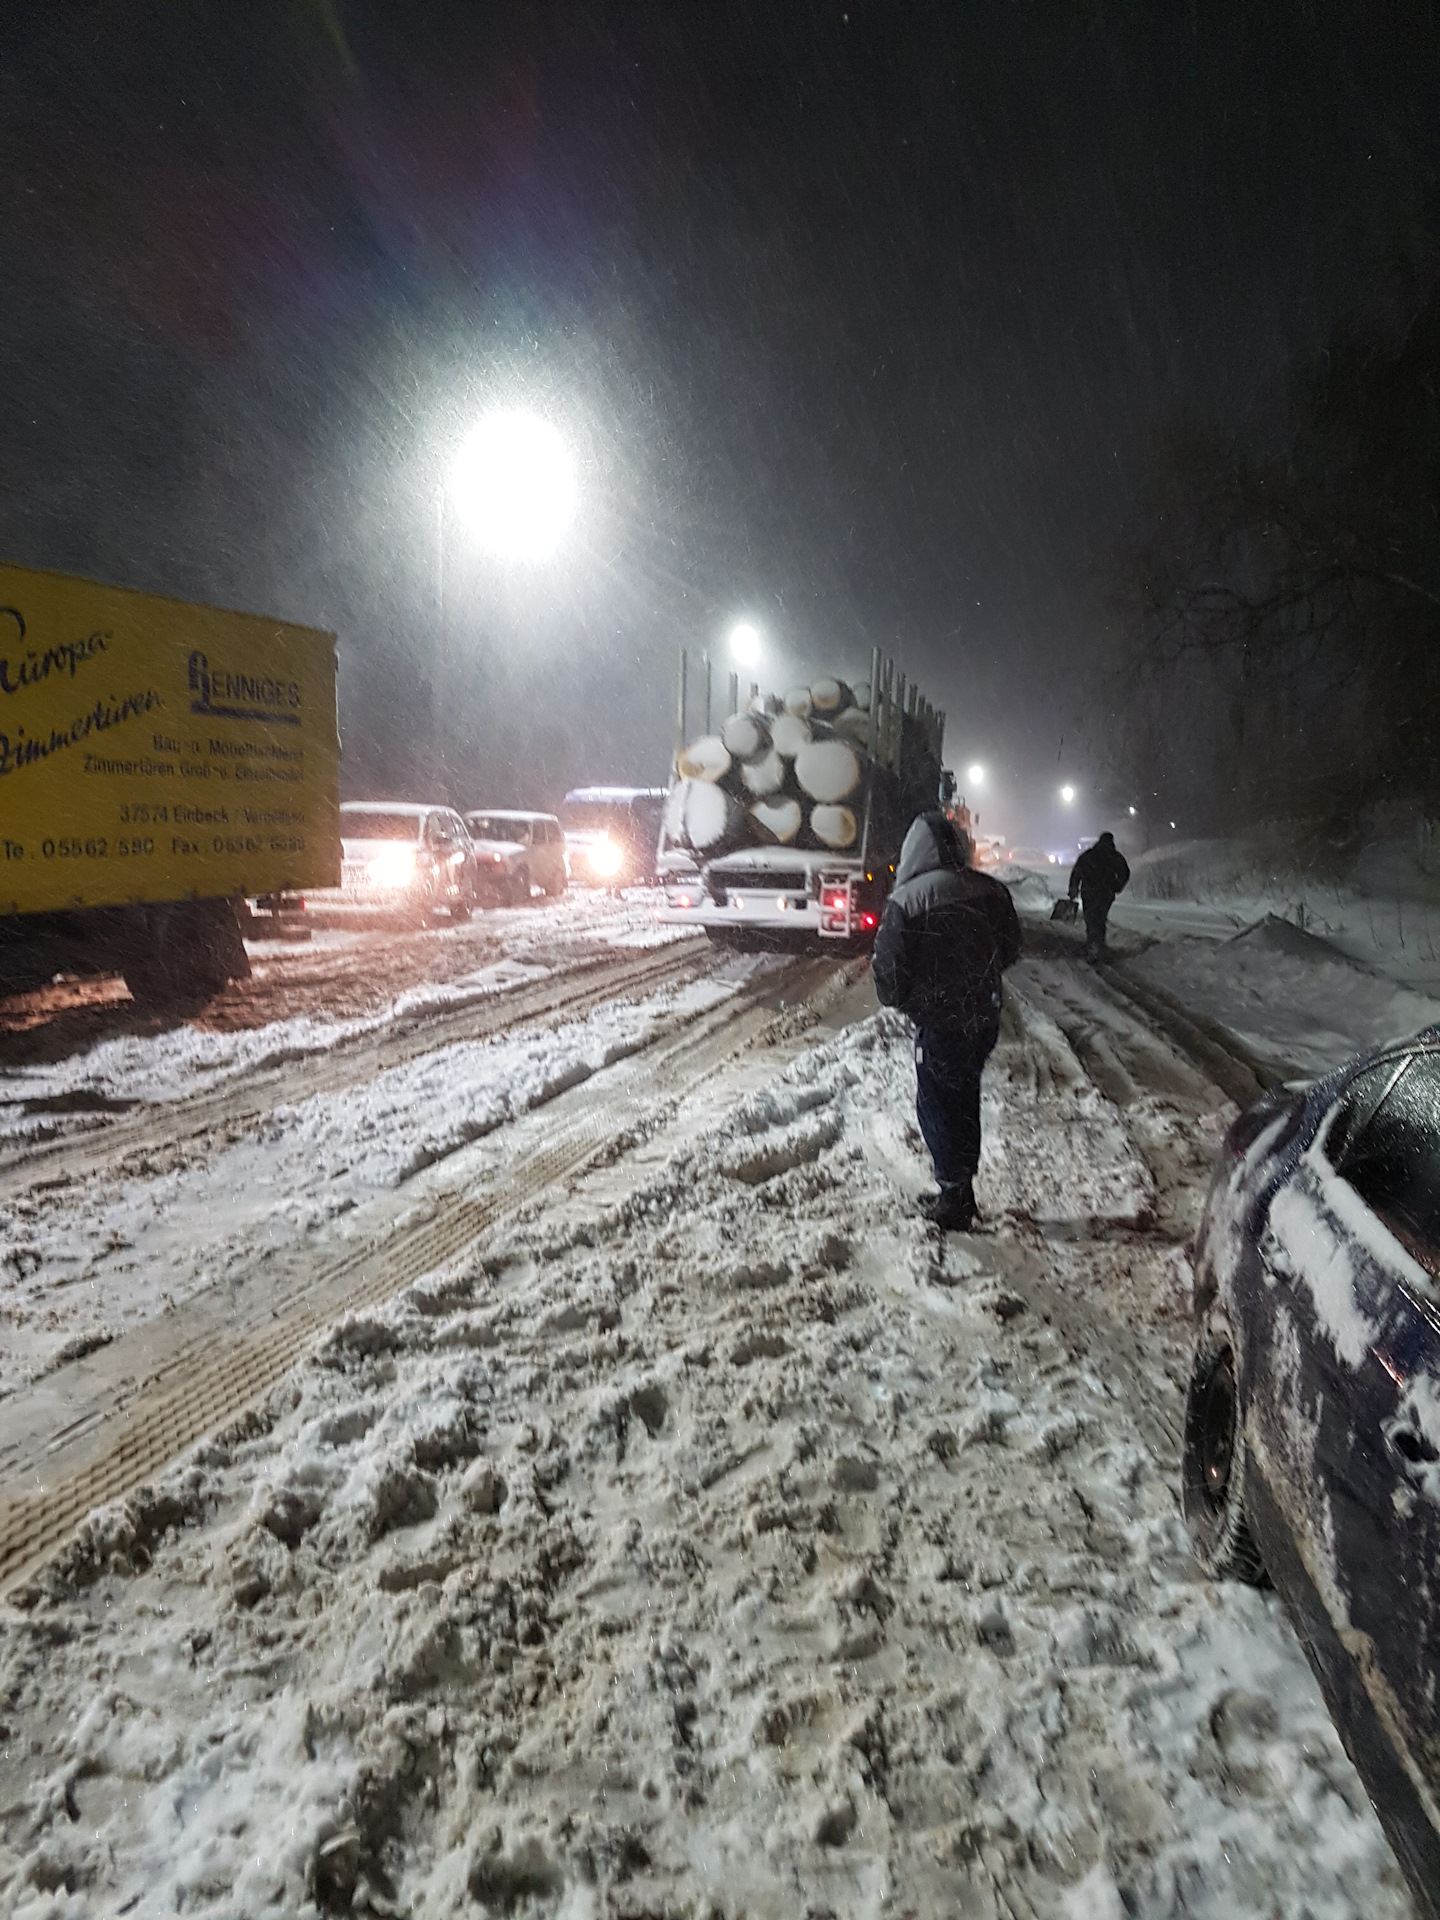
183	952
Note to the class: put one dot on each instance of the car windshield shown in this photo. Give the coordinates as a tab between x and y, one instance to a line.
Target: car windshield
489	826
374	824
591	816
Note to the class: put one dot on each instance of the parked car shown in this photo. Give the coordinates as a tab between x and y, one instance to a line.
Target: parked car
613	834
515	852
401	856
1312	1423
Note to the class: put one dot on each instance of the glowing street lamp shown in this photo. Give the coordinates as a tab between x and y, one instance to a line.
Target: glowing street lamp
975	775
745	644
1067	795
512	485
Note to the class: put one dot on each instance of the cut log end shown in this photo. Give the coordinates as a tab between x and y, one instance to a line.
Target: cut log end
763	775
745	734
704	759
703	816
777	819
834	827
830	696
789	734
828	770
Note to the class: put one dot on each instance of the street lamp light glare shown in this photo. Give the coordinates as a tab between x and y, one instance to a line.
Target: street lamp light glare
1131	812
745	644
975	775
513	485
1067	794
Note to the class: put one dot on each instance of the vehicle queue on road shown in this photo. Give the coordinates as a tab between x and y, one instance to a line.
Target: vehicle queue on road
430	863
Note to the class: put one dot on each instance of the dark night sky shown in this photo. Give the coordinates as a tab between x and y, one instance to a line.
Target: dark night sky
862	317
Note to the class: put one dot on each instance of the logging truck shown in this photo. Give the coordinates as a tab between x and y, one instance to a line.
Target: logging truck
783	826
160	763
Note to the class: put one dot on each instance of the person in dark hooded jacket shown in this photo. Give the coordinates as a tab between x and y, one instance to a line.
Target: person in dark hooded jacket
1097	876
947	935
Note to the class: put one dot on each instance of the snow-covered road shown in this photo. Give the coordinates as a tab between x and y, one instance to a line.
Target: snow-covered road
716	1538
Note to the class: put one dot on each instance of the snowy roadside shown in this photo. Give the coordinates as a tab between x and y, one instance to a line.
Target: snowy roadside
1292	998
1293	1002
1378	907
731	1543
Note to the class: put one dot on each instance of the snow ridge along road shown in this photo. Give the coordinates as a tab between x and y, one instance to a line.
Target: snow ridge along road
159	1389
300	1072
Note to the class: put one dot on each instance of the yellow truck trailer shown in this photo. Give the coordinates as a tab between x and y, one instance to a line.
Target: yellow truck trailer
159	762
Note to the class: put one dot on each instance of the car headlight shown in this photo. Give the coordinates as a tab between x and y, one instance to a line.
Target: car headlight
606	859
393	868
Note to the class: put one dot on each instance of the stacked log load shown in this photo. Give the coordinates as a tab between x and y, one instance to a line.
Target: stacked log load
785	772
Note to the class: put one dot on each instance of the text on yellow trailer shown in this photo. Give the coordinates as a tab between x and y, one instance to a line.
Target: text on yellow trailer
151	750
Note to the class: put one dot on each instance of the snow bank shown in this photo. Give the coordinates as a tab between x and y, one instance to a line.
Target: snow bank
1378	906
1293	1000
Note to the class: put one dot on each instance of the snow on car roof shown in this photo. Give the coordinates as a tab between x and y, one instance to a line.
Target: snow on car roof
582	795
410	807
506	813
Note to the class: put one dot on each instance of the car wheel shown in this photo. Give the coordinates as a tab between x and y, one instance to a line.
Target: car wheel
1212	1470
519	890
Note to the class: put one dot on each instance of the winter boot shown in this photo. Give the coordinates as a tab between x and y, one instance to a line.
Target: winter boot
953	1208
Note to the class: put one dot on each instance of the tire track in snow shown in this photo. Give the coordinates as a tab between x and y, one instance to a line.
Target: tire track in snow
301	1074
131	1408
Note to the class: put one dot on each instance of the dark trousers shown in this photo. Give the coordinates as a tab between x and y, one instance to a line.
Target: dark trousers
1097	913
947	1098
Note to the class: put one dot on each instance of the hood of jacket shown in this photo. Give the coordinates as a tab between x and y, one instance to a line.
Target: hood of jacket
929	847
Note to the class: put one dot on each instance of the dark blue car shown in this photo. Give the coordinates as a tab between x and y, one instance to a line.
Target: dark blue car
1312	1424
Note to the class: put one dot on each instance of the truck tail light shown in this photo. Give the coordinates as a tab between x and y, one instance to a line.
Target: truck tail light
867	922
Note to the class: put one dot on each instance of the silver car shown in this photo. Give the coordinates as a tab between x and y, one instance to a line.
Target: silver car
402	856
516	851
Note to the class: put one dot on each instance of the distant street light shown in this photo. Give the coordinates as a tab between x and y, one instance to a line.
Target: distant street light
1131	812
1067	795
512	484
975	775
745	644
